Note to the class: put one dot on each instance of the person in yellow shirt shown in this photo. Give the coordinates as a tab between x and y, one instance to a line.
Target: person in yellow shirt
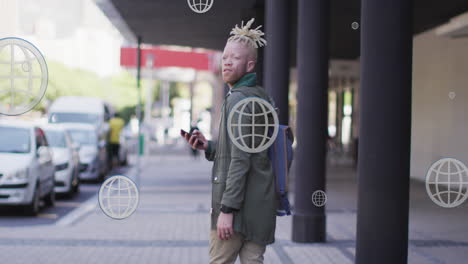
116	125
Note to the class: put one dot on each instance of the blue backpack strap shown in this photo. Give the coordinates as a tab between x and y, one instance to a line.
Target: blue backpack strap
290	141
280	154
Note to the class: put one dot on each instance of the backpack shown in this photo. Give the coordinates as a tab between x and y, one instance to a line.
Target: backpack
281	157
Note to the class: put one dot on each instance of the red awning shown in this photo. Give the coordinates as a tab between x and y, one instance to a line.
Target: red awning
169	58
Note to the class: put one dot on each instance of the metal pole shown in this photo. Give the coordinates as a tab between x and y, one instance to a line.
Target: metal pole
192	90
277	55
385	134
138	110
312	63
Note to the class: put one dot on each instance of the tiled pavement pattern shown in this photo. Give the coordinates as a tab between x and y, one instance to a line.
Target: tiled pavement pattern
172	220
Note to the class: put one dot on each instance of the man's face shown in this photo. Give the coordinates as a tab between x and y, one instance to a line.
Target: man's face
238	59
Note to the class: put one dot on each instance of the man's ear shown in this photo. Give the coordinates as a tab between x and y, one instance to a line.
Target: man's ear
251	65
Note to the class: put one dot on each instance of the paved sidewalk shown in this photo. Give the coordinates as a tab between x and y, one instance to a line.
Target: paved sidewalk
172	220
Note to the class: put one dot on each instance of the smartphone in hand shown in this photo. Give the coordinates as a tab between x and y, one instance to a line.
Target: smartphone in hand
183	133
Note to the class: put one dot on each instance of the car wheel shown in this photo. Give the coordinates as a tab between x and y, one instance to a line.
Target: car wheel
32	209
50	198
101	177
76	186
69	194
71	190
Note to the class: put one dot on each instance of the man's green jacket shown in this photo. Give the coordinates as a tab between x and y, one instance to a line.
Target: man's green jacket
242	180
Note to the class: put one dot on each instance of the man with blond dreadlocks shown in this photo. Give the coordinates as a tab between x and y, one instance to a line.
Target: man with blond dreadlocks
244	202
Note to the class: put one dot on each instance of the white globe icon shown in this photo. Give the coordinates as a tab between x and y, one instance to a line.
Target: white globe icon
319	198
23	76
118	197
200	6
253	124
447	182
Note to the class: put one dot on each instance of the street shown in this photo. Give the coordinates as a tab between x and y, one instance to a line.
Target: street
15	217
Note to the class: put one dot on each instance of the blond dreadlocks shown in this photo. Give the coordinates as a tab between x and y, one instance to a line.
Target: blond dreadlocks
252	37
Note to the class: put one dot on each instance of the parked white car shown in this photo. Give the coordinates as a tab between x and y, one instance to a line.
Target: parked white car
65	157
86	110
81	109
26	167
92	153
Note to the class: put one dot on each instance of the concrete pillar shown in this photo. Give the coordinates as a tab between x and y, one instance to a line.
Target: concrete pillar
276	79
312	63
385	133
260	20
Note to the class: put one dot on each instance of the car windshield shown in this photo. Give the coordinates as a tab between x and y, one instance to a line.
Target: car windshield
56	138
83	137
74	118
15	140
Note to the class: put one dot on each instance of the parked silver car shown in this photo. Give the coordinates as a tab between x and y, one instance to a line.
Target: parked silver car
93	152
26	167
65	157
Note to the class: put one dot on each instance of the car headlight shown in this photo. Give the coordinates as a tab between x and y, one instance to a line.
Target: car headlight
21	175
62	166
83	167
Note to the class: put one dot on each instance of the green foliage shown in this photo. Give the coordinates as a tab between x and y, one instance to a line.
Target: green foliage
128	111
348	98
119	90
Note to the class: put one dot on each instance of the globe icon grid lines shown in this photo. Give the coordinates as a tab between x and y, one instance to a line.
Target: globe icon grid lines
319	198
266	109
261	114
12	77
200	6
455	182
253	125
26	64
119	197
111	199
437	182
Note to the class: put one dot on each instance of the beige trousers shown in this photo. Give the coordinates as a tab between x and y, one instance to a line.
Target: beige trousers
226	251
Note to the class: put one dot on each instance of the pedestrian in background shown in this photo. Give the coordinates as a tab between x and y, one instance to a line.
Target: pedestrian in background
116	124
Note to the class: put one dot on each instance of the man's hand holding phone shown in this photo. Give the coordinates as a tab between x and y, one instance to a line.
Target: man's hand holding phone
195	139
